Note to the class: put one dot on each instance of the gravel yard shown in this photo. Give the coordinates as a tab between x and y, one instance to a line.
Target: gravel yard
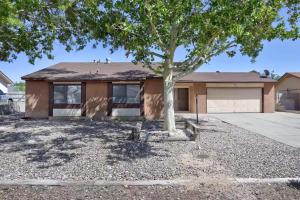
247	154
91	150
84	150
205	191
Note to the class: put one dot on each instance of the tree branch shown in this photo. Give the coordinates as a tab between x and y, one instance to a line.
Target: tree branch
153	28
156	54
191	64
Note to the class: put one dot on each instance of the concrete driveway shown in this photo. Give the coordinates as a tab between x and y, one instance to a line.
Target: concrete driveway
280	126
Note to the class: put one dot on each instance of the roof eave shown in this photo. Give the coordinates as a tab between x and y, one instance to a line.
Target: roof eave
6	78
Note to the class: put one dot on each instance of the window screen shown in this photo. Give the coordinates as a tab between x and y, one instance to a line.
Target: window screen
126	94
67	94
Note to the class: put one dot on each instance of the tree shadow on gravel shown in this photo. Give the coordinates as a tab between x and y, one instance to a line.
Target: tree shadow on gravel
54	143
129	151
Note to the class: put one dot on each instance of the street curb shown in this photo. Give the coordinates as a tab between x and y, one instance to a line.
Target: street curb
51	182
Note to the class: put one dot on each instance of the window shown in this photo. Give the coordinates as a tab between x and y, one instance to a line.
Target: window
67	94
129	94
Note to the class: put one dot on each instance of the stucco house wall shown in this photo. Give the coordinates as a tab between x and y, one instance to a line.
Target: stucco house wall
269	98
288	93
37	99
96	100
153	99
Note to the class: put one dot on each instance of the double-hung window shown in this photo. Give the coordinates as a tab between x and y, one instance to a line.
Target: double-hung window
67	94
126	94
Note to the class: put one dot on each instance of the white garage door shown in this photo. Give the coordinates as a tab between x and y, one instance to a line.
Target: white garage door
226	100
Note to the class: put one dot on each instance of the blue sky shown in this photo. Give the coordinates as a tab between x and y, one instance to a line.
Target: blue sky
276	55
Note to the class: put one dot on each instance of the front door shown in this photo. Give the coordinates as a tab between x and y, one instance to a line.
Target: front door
181	100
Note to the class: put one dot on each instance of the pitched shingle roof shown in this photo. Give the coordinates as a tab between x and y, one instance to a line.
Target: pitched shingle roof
86	71
4	79
288	74
296	74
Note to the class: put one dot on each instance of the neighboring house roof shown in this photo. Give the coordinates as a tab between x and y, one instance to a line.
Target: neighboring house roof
4	79
293	74
124	71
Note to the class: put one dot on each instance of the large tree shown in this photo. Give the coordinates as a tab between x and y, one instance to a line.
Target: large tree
152	30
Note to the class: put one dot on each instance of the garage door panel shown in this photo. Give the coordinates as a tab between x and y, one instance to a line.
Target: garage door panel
226	100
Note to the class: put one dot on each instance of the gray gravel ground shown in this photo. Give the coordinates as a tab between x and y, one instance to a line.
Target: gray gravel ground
84	150
204	191
247	154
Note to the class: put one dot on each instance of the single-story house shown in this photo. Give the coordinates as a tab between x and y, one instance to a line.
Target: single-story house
97	90
288	92
4	83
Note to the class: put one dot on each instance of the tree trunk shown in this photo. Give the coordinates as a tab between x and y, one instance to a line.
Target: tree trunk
169	114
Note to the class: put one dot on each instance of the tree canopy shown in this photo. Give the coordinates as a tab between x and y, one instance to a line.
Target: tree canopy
148	30
145	28
155	29
32	26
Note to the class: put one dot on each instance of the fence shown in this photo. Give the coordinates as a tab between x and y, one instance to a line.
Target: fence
288	99
14	102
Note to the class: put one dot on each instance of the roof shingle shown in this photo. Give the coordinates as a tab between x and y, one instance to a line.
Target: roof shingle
86	71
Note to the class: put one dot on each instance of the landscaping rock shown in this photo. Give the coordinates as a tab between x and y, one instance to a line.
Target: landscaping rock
79	150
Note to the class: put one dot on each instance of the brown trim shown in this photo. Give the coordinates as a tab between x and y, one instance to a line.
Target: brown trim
206	99
67	106
51	99
109	98
147	78
235	87
83	99
270	81
52	105
125	105
88	80
142	102
60	84
263	100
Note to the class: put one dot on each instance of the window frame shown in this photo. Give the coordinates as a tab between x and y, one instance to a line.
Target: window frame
67	105
126	105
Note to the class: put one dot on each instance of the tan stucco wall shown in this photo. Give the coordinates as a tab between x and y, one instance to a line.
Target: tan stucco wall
96	100
269	98
289	82
153	99
37	99
198	89
288	93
